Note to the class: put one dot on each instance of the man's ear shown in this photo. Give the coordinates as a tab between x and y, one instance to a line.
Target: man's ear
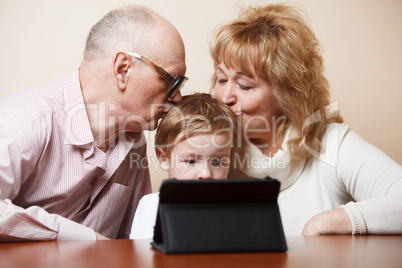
121	67
163	159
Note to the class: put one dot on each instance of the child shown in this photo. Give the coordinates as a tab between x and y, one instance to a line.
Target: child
193	142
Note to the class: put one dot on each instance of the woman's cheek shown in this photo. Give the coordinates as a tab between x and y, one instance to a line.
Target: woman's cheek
217	92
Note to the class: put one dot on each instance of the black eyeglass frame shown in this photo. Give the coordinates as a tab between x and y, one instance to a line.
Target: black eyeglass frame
177	84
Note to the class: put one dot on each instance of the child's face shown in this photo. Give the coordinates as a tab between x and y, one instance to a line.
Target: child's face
203	156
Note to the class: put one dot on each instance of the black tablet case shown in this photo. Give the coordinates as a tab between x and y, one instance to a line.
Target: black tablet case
219	216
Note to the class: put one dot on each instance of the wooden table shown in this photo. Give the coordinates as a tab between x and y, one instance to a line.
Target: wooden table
321	251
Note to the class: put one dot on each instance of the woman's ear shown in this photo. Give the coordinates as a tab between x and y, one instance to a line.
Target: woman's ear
163	159
120	69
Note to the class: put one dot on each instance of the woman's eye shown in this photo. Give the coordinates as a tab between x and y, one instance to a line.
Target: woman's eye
222	81
243	87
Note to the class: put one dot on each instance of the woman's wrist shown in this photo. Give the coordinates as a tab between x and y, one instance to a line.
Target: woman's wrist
334	221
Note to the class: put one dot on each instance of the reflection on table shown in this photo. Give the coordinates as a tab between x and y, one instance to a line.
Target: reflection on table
321	251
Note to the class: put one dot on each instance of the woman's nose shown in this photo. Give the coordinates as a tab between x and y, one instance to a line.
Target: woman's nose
227	95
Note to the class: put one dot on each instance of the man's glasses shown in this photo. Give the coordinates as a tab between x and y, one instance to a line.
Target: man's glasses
177	84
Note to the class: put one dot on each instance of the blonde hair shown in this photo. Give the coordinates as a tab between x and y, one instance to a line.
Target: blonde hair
195	114
284	51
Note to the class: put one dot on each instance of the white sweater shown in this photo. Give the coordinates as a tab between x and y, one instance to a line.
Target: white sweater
348	172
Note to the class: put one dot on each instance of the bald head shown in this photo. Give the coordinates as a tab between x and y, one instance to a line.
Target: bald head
131	28
165	45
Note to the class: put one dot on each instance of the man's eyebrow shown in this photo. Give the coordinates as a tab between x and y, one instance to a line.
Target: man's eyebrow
176	75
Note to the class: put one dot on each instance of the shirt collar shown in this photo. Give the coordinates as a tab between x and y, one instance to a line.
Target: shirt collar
78	130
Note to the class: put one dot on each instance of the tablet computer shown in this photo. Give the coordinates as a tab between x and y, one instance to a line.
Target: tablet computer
199	216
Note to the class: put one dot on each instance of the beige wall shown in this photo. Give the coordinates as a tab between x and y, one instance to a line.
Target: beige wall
42	40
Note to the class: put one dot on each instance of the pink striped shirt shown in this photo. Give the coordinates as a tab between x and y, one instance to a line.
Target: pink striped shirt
54	183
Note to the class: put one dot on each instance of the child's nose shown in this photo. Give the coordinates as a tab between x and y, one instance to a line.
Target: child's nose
205	173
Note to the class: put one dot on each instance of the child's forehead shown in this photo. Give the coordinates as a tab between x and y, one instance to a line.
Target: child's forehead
200	143
204	138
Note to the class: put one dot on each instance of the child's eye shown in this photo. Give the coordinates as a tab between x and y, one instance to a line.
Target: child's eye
216	162
219	162
190	161
223	162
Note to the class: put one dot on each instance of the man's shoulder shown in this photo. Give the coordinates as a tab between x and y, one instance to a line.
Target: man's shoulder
35	102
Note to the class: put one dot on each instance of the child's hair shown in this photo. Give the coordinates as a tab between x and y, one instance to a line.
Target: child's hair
195	114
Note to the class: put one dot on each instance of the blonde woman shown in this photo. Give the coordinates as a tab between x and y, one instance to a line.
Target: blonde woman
269	71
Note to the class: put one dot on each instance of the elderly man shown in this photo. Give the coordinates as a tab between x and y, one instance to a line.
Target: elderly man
72	153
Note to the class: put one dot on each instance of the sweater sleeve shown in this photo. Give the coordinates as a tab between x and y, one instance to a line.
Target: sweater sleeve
374	181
